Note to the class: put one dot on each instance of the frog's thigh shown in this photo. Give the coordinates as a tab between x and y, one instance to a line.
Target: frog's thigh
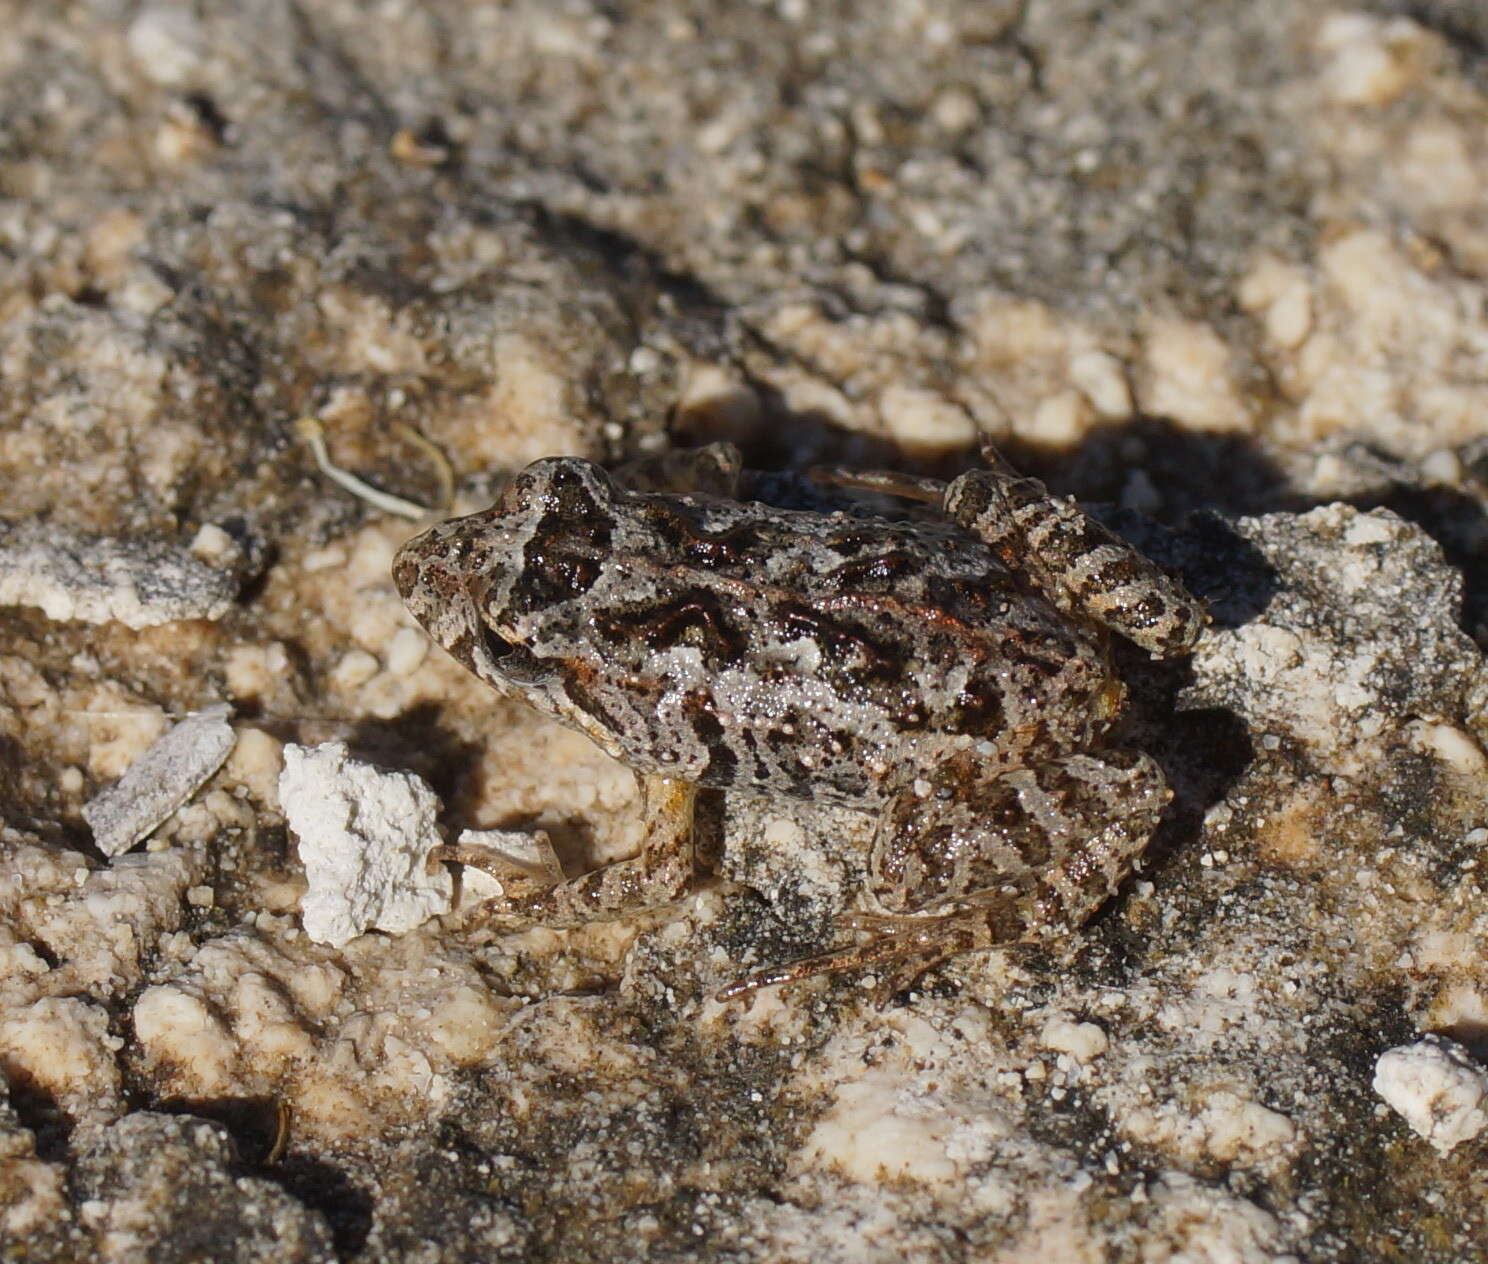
659	874
1023	853
1078	564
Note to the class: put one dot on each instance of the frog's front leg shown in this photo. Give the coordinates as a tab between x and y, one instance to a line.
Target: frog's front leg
659	874
1078	564
967	859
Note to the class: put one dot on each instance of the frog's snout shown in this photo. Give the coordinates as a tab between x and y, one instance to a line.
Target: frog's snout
448	557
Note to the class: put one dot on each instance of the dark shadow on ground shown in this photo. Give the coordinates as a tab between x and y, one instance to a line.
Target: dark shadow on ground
37	1108
254	1124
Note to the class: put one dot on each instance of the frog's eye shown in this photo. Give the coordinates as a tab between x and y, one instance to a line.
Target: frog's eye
573	487
518	493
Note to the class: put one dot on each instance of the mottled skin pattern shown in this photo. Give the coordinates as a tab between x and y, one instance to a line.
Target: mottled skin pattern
951	677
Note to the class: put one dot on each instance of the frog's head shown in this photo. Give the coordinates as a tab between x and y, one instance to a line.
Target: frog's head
483	585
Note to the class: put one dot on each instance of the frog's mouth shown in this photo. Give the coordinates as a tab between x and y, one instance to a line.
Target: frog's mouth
477	646
489	654
458	627
514	664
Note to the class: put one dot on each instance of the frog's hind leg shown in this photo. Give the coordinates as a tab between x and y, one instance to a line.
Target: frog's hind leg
1083	568
901	950
657	876
993	859
1078	564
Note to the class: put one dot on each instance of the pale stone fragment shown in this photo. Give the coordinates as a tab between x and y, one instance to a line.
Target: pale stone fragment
172	770
365	836
1437	1088
72	575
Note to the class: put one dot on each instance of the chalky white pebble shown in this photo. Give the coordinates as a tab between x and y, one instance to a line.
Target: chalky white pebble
1437	1088
364	837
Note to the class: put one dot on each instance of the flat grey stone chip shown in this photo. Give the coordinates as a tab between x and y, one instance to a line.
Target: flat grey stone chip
161	780
72	575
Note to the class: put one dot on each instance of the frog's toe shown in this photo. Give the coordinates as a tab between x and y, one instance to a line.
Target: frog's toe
769	977
880	924
902	949
902	976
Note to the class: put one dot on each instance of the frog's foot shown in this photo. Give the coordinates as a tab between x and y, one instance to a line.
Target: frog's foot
901	949
519	876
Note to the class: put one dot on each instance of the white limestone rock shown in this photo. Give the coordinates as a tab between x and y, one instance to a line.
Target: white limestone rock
1437	1087
72	575
365	836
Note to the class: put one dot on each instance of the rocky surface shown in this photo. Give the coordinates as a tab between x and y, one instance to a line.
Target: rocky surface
1222	266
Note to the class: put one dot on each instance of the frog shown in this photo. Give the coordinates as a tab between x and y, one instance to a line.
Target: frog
951	674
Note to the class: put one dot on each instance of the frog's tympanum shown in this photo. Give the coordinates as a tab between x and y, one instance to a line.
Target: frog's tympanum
951	677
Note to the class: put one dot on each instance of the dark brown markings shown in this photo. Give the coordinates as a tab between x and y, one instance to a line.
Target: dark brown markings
578	505
579	686
1151	610
979	708
845	648
906	711
1049	908
853	540
571	512
1064	540
723	763
732	547
982	601
1089	879
563	558
551	576
1033	844
462	650
1085	535
1025	651
760	767
1022	492
694	616
787	747
871	572
1116	573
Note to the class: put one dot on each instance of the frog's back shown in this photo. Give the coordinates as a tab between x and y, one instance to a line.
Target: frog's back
815	656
